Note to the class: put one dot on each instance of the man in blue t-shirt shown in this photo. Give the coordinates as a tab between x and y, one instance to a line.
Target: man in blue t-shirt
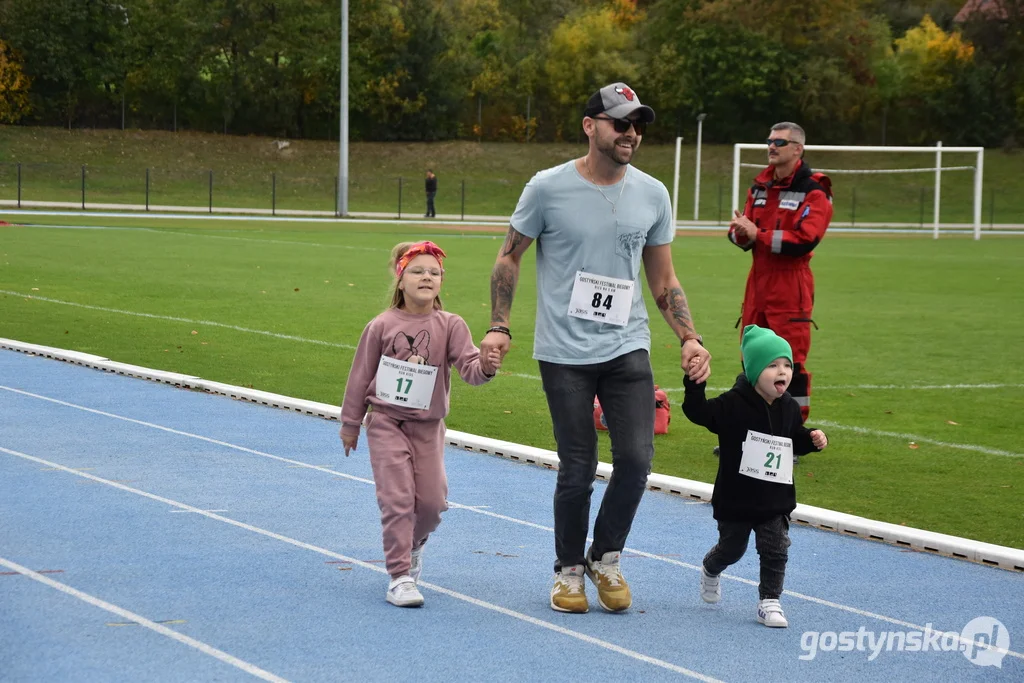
595	220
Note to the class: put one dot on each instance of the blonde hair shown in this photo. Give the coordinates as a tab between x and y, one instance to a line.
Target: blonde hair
397	295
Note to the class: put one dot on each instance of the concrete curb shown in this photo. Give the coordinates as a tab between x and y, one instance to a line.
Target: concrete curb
821	518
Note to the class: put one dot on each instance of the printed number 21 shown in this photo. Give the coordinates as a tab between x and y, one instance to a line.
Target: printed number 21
408	385
598	301
777	457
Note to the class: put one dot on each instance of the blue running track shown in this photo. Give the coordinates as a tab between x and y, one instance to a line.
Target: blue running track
149	533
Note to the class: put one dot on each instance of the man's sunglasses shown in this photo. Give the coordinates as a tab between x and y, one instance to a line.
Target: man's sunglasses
623	125
779	142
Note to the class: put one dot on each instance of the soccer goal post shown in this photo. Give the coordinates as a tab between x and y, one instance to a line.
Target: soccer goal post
937	150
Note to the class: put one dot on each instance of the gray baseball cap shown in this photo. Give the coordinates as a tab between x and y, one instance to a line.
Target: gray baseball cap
618	101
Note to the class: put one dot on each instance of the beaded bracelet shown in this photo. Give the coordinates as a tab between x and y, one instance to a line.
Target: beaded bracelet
503	330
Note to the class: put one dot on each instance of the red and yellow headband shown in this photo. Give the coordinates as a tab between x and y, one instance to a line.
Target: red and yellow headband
416	250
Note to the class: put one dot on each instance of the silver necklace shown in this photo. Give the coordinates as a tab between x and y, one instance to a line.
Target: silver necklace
621	188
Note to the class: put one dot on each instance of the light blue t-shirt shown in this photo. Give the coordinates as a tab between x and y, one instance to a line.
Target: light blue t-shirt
575	229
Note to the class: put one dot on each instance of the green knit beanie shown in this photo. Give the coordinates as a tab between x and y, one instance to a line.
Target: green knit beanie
760	347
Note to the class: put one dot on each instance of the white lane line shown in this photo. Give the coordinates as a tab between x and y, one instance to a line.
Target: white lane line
918	439
188	434
365	565
153	316
181	511
451	504
248	668
839	606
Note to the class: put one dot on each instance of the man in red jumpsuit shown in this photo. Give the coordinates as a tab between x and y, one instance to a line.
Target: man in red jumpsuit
787	212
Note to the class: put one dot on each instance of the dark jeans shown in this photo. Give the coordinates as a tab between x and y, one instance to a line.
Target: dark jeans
430	205
771	538
625	387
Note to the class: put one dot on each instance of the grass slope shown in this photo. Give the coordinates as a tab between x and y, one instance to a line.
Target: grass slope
474	178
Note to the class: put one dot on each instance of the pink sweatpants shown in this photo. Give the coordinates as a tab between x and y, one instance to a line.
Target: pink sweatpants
412	489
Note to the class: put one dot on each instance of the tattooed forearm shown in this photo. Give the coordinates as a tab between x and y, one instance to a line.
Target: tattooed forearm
503	288
672	303
512	241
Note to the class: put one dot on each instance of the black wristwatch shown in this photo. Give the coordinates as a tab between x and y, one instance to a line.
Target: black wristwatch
687	337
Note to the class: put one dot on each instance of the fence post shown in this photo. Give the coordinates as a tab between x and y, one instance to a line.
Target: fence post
211	191
83	187
147	189
463	199
399	196
273	194
19	184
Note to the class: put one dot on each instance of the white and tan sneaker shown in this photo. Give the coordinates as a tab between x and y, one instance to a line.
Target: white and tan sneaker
612	589
568	594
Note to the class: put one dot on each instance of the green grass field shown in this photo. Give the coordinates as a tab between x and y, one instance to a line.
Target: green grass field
904	320
477	179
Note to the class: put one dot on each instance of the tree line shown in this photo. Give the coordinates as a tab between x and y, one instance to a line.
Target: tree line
850	71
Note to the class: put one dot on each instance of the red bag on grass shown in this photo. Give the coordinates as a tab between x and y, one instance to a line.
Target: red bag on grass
662	413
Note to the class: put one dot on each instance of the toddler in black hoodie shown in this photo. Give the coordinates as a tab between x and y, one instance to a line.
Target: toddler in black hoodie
760	433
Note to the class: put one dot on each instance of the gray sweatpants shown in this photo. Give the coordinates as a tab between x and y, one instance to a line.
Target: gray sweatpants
771	538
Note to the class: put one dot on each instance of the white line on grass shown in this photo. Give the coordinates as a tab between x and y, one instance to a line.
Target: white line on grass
365	565
153	316
454	505
918	439
248	668
834	387
897	387
863	430
495	221
520	375
175	233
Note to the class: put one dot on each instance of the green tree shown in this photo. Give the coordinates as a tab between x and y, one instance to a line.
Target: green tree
73	52
590	49
14	86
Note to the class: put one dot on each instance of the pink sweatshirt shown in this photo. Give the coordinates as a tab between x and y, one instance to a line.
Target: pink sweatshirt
439	338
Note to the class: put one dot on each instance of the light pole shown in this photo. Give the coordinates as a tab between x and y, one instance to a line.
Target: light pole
343	111
696	189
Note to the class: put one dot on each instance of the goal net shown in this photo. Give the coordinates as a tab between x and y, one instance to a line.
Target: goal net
886	197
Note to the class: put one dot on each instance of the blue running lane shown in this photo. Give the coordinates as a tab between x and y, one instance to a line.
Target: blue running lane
152	533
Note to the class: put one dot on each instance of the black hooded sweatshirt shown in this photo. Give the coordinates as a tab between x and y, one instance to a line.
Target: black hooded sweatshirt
737	497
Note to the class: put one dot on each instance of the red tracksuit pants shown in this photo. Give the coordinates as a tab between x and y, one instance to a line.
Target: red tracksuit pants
782	300
407	458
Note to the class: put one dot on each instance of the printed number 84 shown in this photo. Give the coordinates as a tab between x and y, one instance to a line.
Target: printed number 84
598	301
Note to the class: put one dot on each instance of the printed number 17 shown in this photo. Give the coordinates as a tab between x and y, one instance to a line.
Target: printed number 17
408	385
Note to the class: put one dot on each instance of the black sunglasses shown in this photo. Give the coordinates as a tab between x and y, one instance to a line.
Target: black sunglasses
623	125
779	142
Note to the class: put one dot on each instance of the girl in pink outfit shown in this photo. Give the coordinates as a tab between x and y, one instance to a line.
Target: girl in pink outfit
400	381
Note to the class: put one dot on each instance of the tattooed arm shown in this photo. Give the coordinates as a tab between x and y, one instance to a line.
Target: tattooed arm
671	300
504	278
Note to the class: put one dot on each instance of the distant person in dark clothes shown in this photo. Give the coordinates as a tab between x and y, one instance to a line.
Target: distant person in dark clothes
431	187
